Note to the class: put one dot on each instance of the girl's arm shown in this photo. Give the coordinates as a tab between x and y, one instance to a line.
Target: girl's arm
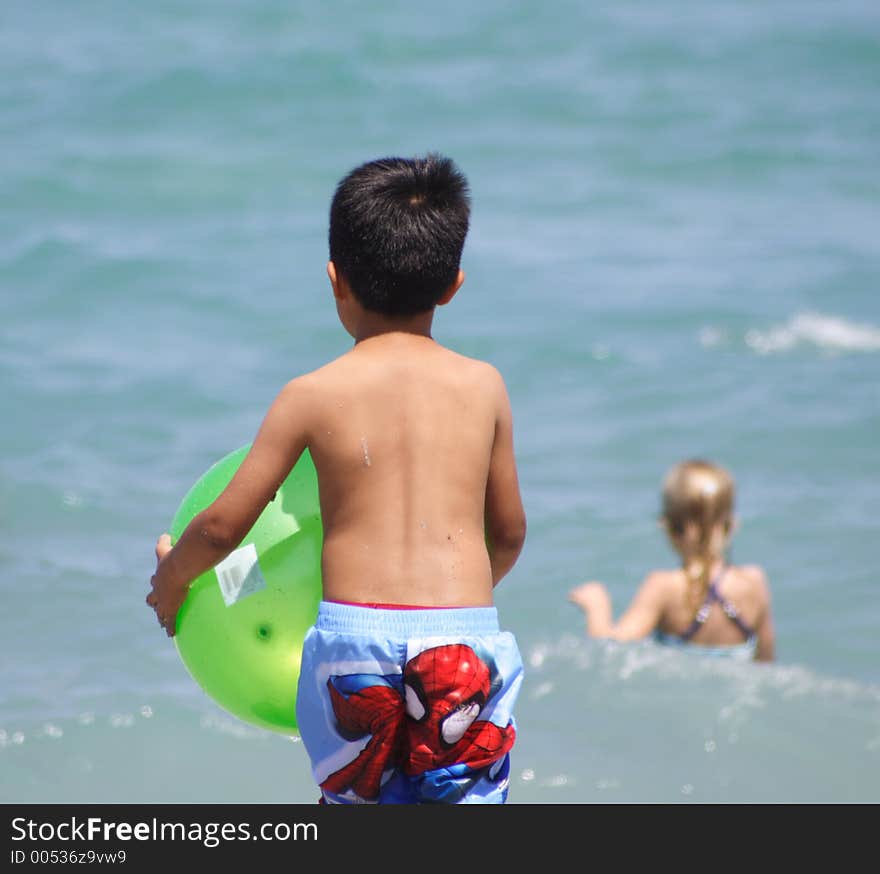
638	621
595	601
766	632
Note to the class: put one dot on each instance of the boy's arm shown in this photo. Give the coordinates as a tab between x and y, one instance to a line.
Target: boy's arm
212	534
505	518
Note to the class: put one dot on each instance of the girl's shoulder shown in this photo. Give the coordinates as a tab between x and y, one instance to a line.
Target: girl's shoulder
749	578
752	572
667	580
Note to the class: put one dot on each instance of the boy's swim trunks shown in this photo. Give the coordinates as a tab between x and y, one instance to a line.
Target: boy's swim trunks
408	706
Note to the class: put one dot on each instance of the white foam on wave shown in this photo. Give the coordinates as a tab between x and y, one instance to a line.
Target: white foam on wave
613	661
829	333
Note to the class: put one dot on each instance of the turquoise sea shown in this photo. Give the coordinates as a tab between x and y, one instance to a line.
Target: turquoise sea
674	251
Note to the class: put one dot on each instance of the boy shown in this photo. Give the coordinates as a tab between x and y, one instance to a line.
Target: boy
407	684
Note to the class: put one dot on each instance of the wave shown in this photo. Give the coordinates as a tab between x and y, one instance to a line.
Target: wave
612	663
828	333
825	332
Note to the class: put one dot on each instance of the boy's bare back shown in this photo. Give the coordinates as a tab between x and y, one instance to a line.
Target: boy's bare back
414	453
413	443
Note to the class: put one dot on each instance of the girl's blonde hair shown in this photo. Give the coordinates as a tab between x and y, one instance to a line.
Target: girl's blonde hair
698	498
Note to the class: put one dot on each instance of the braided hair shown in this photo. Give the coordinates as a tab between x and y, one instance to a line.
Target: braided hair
698	499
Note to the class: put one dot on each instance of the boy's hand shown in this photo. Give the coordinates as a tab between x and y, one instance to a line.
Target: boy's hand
163	598
163	546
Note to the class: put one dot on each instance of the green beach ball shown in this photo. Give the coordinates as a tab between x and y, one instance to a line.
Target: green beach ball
241	628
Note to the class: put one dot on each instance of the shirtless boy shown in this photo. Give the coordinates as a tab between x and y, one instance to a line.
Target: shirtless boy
407	682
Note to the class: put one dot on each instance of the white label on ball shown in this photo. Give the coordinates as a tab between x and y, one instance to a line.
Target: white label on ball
239	574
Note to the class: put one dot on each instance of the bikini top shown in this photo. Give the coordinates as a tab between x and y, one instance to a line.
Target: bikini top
713	596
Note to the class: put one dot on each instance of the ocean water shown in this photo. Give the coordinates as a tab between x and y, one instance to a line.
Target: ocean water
674	251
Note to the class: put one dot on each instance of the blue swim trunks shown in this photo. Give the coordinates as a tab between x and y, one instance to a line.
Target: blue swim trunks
408	706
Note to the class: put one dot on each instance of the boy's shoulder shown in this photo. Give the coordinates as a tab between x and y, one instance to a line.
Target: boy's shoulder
433	356
356	371
477	367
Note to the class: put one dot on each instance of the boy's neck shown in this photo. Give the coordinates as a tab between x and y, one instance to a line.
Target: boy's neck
376	324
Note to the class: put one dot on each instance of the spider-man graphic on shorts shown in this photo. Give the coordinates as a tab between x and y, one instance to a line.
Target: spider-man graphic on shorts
431	722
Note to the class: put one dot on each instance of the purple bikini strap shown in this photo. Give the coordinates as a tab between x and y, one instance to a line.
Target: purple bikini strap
729	610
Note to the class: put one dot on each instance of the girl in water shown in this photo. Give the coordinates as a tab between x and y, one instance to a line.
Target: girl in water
710	603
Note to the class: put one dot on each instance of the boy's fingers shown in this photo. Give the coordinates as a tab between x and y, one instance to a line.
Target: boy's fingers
163	546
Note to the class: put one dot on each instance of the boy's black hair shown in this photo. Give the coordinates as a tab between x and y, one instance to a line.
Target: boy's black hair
397	230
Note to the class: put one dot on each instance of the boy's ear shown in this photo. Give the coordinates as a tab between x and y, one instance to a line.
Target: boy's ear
450	292
337	281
